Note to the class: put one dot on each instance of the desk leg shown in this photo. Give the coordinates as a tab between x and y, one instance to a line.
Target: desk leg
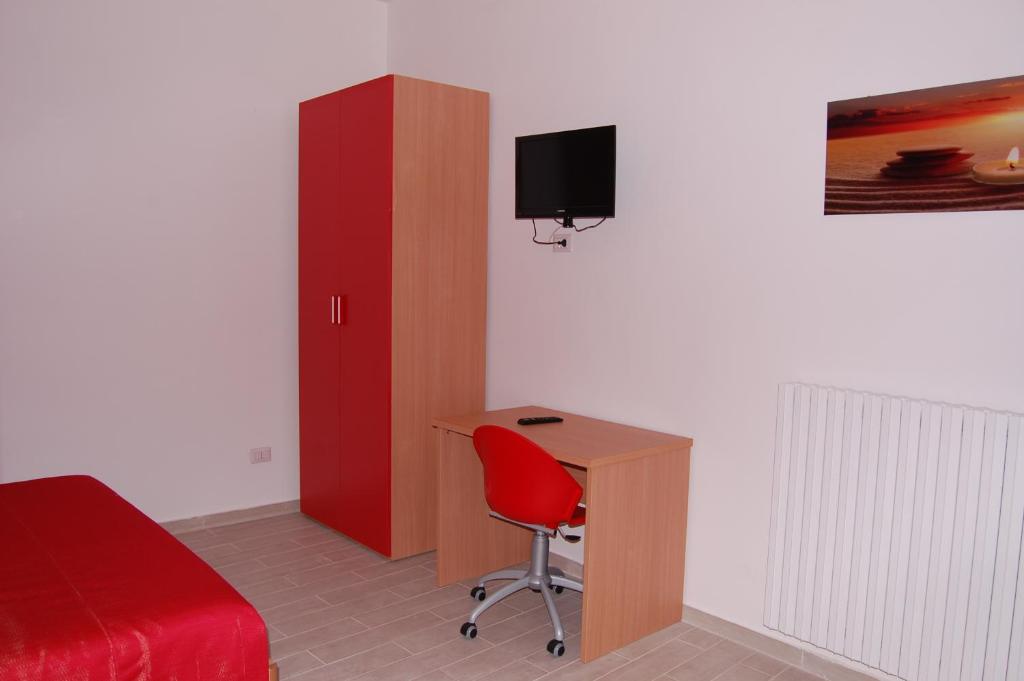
469	542
635	547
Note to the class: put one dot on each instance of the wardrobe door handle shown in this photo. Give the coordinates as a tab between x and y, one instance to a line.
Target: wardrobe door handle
342	309
333	317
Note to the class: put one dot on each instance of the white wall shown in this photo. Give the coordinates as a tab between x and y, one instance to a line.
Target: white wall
720	277
148	239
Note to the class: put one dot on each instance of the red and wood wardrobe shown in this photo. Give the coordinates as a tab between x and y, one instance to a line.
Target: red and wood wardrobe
392	299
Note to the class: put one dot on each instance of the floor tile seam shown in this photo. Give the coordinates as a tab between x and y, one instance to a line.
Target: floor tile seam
701	651
364	595
406	598
306	631
727	669
285	567
309	584
206	547
411	655
518	660
367	580
717	643
546	625
283	514
296	653
659	647
270	616
274	534
276	625
392	605
452	621
253	535
539	626
525	661
324	626
340	539
257	542
793	666
445	642
679	637
271	545
231	538
429	671
313	554
541	605
314	669
361	652
287	587
756	652
515	613
232	563
396	642
259	559
622	661
311	612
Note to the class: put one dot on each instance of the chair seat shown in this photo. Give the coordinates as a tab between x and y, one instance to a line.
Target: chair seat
579	517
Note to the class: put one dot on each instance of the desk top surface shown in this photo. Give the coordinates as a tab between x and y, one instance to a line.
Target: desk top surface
578	440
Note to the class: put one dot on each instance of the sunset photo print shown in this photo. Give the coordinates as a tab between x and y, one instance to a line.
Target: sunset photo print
952	148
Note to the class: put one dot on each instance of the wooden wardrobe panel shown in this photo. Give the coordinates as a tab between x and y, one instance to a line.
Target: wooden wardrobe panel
439	285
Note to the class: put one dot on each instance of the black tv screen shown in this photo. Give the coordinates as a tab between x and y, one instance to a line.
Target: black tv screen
566	174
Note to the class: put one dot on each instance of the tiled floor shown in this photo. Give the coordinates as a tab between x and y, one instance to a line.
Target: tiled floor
335	610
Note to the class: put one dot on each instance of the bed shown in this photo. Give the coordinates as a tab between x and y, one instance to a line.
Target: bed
91	589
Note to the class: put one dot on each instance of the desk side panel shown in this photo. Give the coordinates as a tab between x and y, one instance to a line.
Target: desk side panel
635	550
469	542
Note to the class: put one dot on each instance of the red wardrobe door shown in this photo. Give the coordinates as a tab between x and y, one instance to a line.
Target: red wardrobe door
365	274
319	257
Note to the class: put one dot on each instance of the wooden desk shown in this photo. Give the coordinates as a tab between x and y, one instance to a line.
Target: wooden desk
636	483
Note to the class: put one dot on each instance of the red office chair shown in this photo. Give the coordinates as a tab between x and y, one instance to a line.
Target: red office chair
525	486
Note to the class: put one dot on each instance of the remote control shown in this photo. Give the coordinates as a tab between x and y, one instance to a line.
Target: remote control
537	420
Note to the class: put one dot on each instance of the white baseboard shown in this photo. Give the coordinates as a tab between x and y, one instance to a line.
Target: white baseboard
230	517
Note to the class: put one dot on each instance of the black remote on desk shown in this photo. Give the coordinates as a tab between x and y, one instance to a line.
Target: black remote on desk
537	420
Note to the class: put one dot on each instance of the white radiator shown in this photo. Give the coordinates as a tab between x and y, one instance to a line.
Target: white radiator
895	536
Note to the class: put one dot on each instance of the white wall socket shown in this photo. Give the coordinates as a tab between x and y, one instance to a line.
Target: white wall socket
259	455
559	248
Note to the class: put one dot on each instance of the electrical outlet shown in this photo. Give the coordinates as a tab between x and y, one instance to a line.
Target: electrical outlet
559	248
259	455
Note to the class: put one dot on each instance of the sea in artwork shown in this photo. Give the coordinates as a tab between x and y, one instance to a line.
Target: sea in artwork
917	151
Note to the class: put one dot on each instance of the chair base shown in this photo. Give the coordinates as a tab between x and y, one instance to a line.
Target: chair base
538	577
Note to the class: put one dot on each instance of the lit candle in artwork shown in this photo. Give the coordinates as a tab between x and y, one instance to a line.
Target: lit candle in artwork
1001	172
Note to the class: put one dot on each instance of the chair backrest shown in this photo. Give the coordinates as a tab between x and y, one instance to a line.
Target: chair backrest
522	481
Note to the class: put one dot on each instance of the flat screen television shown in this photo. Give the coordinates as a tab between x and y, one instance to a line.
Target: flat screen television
569	174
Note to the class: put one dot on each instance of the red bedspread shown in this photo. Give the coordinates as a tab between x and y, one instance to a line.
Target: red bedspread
91	589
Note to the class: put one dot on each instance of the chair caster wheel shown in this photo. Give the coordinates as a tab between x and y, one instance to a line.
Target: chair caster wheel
556	647
478	593
558	589
469	631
